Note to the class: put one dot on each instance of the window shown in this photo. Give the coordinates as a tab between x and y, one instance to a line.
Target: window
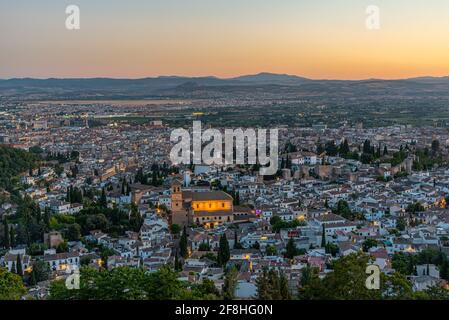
223	205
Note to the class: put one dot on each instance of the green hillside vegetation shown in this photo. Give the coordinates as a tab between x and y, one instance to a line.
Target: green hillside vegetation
12	163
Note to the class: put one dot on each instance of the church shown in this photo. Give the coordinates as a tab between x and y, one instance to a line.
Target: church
206	208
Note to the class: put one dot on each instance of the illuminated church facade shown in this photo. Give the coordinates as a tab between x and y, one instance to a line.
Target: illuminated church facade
206	208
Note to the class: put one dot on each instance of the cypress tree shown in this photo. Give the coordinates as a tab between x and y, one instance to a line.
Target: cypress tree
6	240
19	265
12	234
13	267
177	265
46	218
323	237
236	242
230	283
274	285
444	269
367	147
291	249
33	280
223	251
103	200
283	287
67	196
262	286
183	244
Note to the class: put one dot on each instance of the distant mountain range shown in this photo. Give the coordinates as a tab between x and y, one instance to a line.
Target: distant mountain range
172	85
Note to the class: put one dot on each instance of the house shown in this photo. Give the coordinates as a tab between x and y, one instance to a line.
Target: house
423	282
75	208
60	207
381	257
63	261
9	261
53	239
428	269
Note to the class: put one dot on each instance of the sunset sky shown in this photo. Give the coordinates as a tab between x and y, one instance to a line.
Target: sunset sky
139	38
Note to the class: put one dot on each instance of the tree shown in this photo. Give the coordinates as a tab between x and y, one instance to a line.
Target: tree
230	283
263	290
178	264
277	223
414	208
368	244
283	287
236	201
110	285
291	249
403	263
206	290
400	224
444	269
183	244
272	285
332	249
398	287
204	246
331	148
271	250
223	251
435	146
437	292
41	271
12	234
103	201
307	274
343	210
175	229
11	286
344	148
319	148
19	269
32	280
237	244
6	236
135	219
46	218
367	147
73	232
323	236
346	281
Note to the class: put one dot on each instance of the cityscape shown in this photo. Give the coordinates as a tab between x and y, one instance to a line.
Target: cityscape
93	207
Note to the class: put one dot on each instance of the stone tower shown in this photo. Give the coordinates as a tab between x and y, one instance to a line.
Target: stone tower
179	213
